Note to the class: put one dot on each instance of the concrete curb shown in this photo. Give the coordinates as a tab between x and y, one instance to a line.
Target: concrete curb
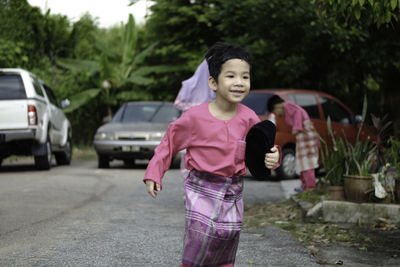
310	212
348	212
366	213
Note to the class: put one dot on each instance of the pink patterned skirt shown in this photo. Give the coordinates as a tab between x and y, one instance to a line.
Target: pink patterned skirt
214	213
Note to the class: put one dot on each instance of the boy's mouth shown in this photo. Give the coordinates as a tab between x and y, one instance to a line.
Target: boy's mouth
237	92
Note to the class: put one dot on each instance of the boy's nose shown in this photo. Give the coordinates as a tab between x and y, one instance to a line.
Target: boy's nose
239	81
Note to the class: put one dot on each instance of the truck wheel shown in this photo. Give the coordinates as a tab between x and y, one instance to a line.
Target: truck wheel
103	162
44	162
64	157
287	170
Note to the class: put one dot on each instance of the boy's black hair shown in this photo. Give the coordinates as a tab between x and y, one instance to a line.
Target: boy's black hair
219	53
272	101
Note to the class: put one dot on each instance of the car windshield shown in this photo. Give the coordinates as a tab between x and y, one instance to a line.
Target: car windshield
257	102
11	87
147	112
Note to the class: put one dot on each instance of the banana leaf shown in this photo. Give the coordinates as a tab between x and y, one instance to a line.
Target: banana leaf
82	98
139	59
79	64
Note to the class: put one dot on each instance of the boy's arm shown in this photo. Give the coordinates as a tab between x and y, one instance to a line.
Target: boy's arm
175	139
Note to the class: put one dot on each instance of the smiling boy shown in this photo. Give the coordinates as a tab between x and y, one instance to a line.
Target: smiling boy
213	135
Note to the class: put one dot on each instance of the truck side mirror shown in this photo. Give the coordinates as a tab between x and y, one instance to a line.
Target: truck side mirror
65	103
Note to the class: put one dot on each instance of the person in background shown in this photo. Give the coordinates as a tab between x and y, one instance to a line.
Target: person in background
272	117
307	142
194	91
213	134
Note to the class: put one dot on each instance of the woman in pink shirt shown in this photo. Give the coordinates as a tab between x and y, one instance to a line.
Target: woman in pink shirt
307	142
213	135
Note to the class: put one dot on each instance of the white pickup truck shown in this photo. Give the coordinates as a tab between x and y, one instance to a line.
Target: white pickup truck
31	120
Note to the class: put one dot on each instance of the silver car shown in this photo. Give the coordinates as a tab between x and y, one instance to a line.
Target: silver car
134	132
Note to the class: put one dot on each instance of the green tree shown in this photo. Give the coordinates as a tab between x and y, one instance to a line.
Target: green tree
12	54
23	25
184	30
118	74
293	46
376	12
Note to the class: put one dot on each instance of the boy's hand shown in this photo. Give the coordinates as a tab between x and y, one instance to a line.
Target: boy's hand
152	188
271	159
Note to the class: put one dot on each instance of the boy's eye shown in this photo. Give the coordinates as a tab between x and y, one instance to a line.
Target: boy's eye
246	77
229	76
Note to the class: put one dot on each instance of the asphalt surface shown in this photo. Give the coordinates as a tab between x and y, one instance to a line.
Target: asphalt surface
79	215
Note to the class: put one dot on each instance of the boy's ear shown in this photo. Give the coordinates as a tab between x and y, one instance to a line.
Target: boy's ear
212	83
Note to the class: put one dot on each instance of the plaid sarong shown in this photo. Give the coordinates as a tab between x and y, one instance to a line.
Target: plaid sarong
307	146
214	213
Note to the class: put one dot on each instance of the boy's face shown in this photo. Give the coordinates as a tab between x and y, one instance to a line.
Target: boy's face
279	110
233	81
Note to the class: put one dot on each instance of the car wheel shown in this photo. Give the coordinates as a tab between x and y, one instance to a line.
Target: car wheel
64	157
43	162
287	170
103	161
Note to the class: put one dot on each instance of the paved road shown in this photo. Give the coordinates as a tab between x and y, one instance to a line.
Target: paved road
79	215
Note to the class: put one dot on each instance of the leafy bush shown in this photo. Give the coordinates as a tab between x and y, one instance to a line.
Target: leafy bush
392	154
333	158
344	157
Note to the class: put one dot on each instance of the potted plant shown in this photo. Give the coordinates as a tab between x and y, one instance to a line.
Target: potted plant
385	161
333	160
357	179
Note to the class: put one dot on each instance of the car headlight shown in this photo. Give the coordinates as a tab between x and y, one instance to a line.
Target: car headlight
104	136
156	136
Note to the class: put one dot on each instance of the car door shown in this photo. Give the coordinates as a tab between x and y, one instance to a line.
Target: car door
341	118
57	117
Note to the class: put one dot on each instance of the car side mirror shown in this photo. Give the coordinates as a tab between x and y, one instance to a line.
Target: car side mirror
358	119
65	103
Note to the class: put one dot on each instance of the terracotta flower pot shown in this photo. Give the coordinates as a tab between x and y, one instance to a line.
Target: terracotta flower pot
357	188
337	192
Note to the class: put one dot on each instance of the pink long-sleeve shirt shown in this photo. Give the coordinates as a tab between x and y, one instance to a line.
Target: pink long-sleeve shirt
295	116
212	145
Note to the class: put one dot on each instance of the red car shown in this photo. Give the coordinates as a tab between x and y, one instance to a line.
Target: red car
319	106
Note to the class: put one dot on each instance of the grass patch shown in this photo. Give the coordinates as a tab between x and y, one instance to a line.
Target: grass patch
84	153
324	233
313	196
19	159
78	153
272	213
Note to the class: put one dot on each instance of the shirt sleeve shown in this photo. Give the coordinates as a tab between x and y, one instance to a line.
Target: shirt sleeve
176	138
